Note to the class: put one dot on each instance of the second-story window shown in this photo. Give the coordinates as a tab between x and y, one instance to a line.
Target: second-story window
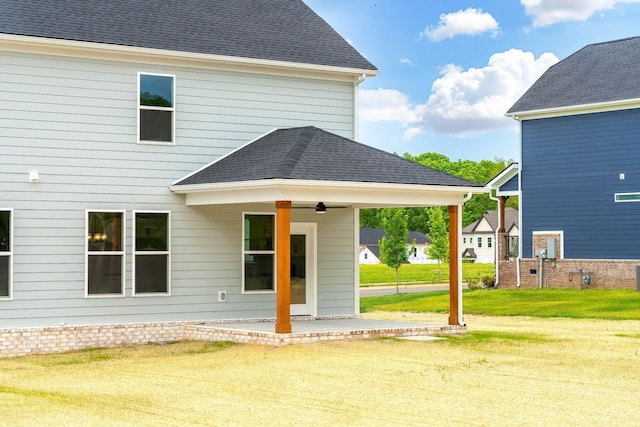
479	242
156	108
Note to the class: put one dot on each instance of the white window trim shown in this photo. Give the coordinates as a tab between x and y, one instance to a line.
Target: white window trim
616	196
142	253
273	252
9	254
141	107
560	234
88	253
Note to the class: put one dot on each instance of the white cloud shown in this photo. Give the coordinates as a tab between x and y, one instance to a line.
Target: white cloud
462	102
548	12
470	22
406	61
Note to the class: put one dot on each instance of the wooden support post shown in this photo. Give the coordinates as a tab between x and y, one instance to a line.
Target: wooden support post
502	200
454	256
283	268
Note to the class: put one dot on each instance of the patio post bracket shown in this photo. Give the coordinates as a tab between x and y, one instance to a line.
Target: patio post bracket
283	267
454	255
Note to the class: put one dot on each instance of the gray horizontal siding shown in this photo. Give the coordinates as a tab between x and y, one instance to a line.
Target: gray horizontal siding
571	168
74	120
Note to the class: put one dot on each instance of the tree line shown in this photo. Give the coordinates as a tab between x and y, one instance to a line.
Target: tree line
418	218
432	221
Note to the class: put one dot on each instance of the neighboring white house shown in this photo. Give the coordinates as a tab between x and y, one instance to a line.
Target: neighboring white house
479	238
178	163
417	244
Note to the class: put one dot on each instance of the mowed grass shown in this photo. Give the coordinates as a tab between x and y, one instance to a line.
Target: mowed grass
572	303
377	274
516	371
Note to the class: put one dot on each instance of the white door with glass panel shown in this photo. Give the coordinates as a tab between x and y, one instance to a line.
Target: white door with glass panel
303	268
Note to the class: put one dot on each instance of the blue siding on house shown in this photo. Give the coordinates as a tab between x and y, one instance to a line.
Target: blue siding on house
571	171
511	185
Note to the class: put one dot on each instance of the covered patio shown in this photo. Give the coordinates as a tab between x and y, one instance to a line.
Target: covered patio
309	168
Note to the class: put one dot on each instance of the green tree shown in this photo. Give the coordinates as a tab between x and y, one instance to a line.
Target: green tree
479	172
439	248
394	250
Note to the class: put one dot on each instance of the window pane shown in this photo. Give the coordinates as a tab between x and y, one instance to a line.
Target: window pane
105	274
258	272
156	125
5	228
4	276
156	91
104	231
258	232
152	231
151	273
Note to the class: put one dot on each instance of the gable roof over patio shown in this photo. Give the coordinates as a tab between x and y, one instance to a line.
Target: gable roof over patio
307	165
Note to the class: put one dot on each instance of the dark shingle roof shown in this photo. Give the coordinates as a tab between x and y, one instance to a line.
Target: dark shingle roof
371	236
279	30
309	153
602	72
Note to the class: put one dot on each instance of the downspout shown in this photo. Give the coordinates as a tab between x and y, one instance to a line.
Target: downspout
496	257
465	199
356	117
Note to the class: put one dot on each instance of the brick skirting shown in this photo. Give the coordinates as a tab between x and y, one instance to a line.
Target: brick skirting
27	341
563	273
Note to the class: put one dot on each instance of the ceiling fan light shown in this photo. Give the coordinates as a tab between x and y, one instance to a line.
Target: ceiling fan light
321	208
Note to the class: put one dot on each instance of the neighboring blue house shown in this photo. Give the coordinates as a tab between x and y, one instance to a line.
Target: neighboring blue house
174	162
579	179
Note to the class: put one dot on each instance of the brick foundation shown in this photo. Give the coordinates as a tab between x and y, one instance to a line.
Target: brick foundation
563	273
28	341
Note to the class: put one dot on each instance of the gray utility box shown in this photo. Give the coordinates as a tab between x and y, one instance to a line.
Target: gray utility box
551	248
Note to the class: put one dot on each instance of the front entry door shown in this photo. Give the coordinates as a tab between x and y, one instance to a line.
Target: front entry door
303	269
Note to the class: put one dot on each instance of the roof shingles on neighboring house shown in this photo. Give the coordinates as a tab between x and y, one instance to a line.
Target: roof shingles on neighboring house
510	218
309	153
372	236
598	73
274	30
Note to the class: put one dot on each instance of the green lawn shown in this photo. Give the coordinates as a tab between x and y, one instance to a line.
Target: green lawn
572	303
376	274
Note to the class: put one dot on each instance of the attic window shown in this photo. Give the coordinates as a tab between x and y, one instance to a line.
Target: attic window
156	108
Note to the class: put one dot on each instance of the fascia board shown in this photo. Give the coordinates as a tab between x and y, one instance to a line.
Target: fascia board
355	194
138	54
600	107
504	176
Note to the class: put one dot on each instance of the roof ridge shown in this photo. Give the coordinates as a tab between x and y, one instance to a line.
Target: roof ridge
294	154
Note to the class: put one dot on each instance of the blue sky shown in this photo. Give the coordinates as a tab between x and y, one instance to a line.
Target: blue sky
450	69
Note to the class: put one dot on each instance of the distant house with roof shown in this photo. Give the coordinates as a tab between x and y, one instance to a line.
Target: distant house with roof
479	238
578	182
417	243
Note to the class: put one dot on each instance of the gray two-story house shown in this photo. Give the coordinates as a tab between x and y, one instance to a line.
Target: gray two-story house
167	162
578	181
